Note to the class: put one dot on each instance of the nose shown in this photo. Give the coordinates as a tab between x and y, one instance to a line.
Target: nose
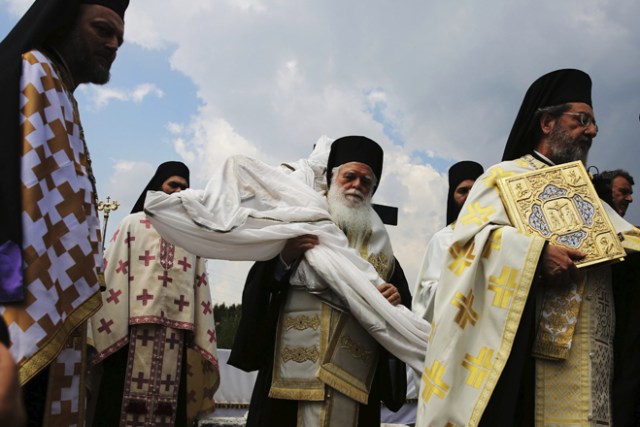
591	130
113	43
360	185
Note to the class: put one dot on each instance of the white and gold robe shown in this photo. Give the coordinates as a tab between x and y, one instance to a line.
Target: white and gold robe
61	251
489	271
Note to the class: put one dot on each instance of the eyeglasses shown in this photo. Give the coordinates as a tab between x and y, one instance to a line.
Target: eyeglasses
583	118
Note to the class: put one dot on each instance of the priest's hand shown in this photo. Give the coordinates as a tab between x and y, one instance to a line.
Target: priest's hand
11	408
558	265
296	246
391	293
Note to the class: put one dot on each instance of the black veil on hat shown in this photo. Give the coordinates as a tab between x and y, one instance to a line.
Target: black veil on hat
555	88
41	21
459	172
355	149
164	171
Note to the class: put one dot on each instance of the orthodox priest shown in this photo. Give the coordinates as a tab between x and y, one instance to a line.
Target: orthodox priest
317	365
156	323
50	251
462	176
523	337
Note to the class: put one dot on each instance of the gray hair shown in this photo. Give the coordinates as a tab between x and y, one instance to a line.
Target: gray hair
334	177
553	110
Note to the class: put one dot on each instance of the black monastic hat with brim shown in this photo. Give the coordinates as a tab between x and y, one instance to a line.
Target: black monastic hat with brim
355	149
555	88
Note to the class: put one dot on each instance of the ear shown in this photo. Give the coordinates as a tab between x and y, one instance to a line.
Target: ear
547	122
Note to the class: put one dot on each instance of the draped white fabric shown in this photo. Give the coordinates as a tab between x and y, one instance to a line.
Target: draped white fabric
247	212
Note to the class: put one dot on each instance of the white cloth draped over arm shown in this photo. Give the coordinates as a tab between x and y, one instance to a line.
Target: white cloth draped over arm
249	210
424	294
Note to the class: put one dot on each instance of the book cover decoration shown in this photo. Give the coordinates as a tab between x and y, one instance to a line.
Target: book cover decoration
559	204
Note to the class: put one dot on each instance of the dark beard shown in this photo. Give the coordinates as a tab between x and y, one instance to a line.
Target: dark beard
564	149
85	67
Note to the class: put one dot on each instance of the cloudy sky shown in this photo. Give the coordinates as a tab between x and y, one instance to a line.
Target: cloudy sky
433	82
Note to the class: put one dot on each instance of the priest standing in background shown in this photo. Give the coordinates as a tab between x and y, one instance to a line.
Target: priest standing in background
155	333
462	176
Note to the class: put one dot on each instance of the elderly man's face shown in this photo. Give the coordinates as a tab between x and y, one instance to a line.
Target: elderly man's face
355	180
621	192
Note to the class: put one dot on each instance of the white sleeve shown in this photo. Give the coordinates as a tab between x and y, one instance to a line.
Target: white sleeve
425	291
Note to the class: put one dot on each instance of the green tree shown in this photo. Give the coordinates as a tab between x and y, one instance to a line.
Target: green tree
227	321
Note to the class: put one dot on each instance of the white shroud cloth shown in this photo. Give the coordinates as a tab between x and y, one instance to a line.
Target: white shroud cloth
249	210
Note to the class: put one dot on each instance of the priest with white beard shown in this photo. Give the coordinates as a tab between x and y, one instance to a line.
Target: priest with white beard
317	365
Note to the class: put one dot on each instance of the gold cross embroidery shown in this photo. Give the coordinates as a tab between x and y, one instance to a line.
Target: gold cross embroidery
478	366
477	214
495	243
495	174
433	382
462	257
503	286
466	313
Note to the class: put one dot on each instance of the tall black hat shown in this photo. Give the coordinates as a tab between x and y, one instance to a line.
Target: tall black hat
165	170
459	172
555	88
118	6
355	149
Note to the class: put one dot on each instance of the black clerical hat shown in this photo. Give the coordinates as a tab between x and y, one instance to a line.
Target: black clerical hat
459	172
555	88
355	149
165	170
118	6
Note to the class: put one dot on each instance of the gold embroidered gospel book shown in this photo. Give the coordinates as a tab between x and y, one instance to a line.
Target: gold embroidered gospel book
560	205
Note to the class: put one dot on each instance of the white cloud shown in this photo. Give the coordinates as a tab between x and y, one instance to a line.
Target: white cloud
125	186
18	7
175	128
101	96
249	5
444	79
207	141
140	92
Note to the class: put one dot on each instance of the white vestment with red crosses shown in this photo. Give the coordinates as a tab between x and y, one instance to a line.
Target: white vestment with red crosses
153	282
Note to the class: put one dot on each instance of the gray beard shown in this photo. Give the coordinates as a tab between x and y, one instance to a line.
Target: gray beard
353	218
564	149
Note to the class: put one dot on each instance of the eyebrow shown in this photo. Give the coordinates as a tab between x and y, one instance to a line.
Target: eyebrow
353	171
113	27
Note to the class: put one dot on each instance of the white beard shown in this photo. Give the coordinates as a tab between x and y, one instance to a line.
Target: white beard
352	215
